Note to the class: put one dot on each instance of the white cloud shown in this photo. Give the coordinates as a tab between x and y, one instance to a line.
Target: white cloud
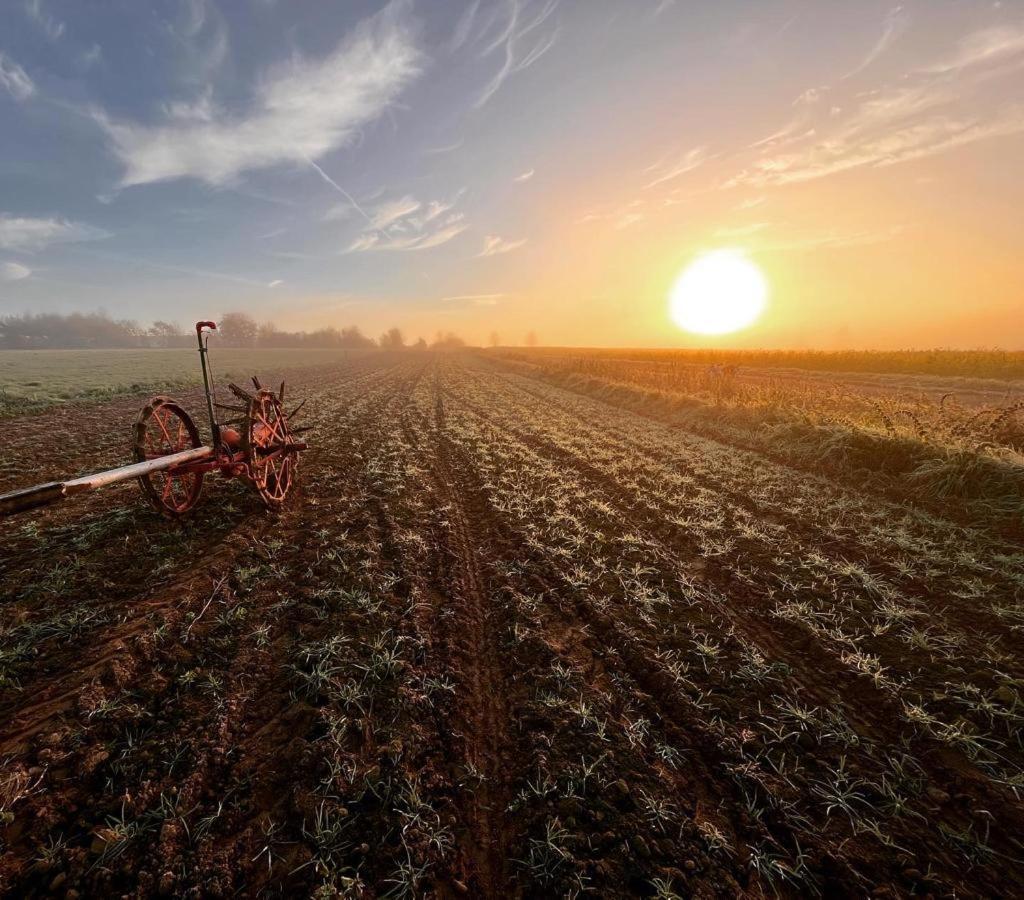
523	41
750	203
986	47
494	245
463	26
408	224
436	238
391	212
445	148
92	56
524	176
434	209
302	110
12	271
667	169
621	217
928	112
895	24
810	97
628	219
20	233
53	28
14	79
338	213
277	282
853	149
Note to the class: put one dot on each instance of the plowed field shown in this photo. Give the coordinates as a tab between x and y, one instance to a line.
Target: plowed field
506	640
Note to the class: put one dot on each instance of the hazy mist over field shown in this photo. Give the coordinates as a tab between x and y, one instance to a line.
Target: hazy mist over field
486	166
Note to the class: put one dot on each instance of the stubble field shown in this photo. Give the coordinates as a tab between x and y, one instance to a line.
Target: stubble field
509	639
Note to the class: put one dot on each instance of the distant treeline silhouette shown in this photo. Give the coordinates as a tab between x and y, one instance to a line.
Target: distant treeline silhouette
76	331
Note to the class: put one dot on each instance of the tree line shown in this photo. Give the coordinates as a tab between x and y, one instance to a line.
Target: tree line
98	330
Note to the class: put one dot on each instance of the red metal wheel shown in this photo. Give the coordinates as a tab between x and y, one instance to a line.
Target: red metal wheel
163	428
266	428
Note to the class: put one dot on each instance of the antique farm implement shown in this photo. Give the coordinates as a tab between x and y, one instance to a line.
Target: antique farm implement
257	444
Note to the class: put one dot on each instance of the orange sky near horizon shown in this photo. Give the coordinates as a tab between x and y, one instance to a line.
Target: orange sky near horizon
506	166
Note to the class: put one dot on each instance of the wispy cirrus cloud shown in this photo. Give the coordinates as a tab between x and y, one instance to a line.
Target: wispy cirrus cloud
990	46
620	217
463	26
926	113
12	271
524	176
406	223
495	245
521	41
24	233
301	111
895	23
198	42
15	80
671	167
388	213
751	203
52	27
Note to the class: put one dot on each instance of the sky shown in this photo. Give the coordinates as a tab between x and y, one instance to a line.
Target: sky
509	166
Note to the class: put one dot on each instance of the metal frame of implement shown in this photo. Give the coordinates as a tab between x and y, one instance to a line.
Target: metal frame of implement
170	459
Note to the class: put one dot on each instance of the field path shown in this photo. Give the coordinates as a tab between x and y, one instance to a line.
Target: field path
474	623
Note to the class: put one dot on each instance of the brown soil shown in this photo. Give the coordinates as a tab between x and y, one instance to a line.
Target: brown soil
503	641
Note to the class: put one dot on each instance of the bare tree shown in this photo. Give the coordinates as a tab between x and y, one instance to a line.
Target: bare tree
531	339
494	339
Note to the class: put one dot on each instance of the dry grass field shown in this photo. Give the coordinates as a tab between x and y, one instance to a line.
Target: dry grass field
535	625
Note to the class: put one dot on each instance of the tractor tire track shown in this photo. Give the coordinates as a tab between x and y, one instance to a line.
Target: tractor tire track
484	714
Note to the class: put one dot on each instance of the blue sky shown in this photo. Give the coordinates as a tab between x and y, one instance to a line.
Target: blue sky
478	164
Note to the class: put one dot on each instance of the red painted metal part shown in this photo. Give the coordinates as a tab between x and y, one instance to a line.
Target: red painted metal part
163	428
171	460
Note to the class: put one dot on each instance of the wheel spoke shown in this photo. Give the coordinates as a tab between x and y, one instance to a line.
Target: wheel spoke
158	415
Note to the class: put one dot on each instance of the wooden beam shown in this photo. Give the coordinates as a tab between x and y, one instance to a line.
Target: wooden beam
124	473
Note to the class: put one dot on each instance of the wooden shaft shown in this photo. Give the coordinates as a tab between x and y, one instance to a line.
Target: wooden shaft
123	473
31	498
55	491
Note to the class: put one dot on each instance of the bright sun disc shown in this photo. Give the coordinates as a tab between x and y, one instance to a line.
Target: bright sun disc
719	292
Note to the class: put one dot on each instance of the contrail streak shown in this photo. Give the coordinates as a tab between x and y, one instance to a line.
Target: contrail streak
339	189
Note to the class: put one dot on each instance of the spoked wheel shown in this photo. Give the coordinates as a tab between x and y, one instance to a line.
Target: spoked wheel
163	428
266	431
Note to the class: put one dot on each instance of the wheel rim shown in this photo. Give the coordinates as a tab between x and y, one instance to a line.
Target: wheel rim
267	427
164	428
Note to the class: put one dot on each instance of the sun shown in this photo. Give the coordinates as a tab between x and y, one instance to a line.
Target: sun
719	292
